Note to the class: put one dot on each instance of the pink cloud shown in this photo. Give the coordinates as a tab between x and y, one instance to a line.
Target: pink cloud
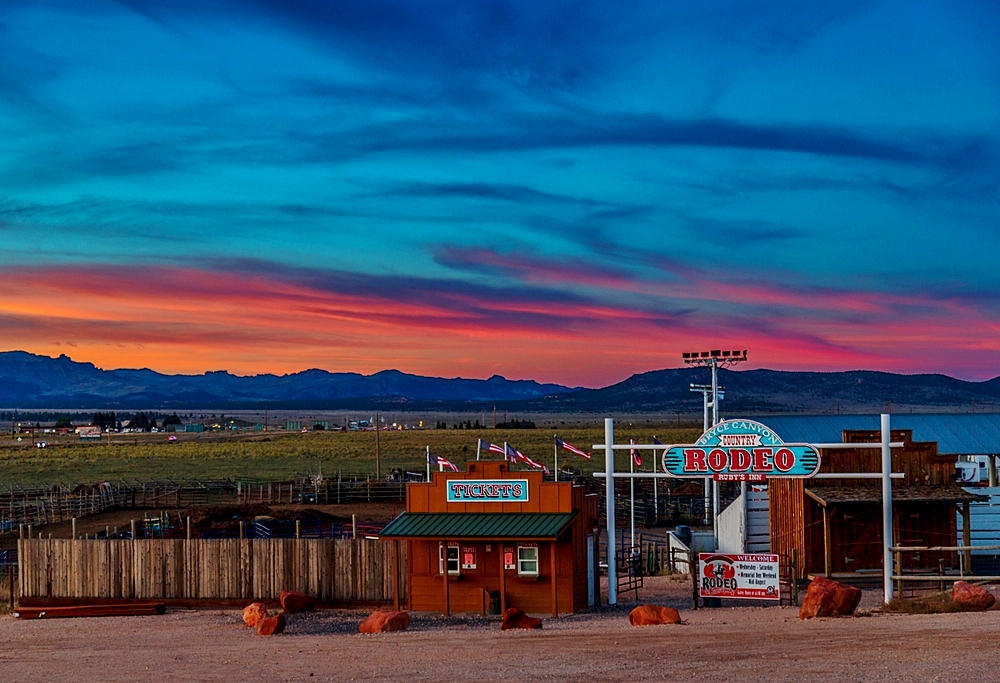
259	317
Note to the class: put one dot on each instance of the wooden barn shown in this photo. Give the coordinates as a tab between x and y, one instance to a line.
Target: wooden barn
835	525
489	532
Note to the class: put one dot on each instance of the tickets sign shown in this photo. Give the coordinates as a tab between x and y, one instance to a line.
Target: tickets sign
741	447
487	490
743	577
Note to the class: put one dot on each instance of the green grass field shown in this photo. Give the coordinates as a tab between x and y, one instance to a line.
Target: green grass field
282	456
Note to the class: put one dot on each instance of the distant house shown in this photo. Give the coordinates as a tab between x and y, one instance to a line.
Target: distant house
89	432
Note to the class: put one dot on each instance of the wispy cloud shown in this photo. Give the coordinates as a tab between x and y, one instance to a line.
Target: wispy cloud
492	187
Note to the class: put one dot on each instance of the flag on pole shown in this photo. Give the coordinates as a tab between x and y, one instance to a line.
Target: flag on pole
438	460
636	458
514	455
490	447
571	448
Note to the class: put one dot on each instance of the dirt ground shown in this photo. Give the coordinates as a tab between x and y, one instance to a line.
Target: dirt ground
729	643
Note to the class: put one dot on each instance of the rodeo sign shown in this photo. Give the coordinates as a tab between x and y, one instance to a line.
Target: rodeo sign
748	577
741	450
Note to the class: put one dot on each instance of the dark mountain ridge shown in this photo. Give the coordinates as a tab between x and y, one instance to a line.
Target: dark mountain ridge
31	381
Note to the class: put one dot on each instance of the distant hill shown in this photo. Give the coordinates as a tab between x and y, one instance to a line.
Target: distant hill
773	391
30	381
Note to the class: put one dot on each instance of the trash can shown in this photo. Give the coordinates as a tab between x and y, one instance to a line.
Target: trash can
683	534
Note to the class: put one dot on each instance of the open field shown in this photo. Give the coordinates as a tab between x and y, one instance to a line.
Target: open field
741	644
282	456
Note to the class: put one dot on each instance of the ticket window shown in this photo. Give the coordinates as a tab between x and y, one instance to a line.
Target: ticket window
453	559
527	560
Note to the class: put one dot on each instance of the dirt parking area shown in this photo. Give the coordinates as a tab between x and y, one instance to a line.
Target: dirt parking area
729	643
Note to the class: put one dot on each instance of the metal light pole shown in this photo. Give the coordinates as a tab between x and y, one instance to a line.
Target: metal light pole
714	359
718	393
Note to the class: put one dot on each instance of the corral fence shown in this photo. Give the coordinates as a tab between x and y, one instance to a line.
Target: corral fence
47	506
656	506
337	571
38	505
911	581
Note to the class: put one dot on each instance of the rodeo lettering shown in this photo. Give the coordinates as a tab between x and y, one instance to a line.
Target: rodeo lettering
487	491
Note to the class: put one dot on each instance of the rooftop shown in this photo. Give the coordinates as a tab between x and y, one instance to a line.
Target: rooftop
955	434
479	525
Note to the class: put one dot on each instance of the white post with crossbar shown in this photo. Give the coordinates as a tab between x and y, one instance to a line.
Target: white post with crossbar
609	472
886	509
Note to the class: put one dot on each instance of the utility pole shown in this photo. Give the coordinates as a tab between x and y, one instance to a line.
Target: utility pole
378	451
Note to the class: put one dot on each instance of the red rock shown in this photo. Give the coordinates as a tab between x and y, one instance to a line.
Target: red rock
252	614
828	598
973	597
516	618
271	625
383	622
293	602
653	615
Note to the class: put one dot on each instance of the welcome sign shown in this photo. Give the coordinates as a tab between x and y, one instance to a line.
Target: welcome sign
487	490
753	577
741	450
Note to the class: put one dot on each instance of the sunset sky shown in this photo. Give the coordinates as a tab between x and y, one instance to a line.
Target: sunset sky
564	191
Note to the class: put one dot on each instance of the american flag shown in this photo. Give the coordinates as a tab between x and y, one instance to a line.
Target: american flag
571	448
438	460
514	455
490	447
636	458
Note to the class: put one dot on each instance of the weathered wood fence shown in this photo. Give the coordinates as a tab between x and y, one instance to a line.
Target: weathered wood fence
342	570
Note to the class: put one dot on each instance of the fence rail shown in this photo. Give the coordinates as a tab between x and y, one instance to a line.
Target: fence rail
46	505
344	571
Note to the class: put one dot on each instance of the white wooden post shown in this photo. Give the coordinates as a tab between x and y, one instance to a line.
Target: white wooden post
609	471
555	454
887	563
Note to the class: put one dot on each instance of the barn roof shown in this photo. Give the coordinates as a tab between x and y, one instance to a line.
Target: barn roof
483	525
836	495
955	434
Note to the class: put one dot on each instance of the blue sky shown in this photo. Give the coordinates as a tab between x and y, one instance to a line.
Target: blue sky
566	191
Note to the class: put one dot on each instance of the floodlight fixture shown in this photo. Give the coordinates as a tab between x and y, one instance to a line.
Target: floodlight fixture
715	359
720	357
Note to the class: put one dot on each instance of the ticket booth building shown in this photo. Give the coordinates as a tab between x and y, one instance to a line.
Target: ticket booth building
489	532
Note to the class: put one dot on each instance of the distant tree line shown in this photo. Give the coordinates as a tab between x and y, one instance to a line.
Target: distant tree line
517	424
468	424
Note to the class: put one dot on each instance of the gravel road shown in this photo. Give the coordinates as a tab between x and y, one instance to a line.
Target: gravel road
729	643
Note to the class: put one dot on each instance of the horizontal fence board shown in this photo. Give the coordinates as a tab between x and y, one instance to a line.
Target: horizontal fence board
331	570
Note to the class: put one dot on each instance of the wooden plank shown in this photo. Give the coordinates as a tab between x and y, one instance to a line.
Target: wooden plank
355	571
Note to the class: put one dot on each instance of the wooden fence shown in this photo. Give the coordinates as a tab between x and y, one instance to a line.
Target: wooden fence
342	570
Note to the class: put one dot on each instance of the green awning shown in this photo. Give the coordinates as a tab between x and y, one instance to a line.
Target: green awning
481	525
